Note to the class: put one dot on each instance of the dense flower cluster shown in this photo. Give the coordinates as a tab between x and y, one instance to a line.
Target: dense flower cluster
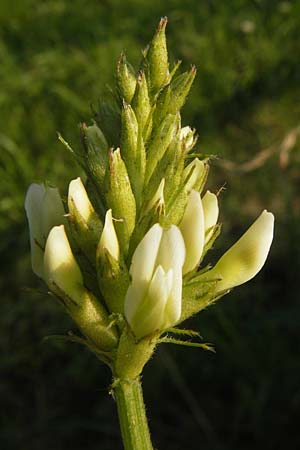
124	256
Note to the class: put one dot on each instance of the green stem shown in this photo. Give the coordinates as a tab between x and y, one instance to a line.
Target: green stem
132	414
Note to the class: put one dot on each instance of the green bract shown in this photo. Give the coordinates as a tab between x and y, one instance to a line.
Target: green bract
124	257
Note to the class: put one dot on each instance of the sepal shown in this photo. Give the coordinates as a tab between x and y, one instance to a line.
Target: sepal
113	279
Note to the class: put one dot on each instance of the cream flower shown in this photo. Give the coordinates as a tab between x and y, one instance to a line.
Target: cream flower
153	300
247	256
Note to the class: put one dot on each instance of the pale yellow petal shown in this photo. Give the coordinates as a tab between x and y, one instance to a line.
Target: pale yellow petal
145	255
211	213
33	207
192	229
78	196
109	239
148	315
247	256
61	271
53	212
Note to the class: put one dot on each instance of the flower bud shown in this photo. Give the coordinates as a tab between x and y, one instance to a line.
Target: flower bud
247	256
112	273
61	271
187	136
141	102
78	201
158	201
107	117
180	88
64	278
130	143
126	79
161	140
195	175
44	210
109	240
129	134
120	198
192	229
157	57
211	213
85	223
96	154
161	105
153	300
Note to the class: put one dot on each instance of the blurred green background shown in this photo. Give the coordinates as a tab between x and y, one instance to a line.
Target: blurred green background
57	57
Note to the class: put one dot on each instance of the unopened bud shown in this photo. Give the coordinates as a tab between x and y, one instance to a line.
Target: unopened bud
109	240
129	138
187	136
61	271
141	102
96	156
85	223
120	198
180	88
64	278
195	175
157	57
126	79
159	144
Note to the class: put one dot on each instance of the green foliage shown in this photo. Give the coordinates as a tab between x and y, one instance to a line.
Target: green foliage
57	57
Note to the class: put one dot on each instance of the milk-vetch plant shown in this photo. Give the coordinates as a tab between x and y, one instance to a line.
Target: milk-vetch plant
122	254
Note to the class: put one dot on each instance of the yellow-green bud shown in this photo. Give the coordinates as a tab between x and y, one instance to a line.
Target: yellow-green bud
120	198
126	79
96	155
180	88
129	132
157	57
141	102
160	142
129	139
